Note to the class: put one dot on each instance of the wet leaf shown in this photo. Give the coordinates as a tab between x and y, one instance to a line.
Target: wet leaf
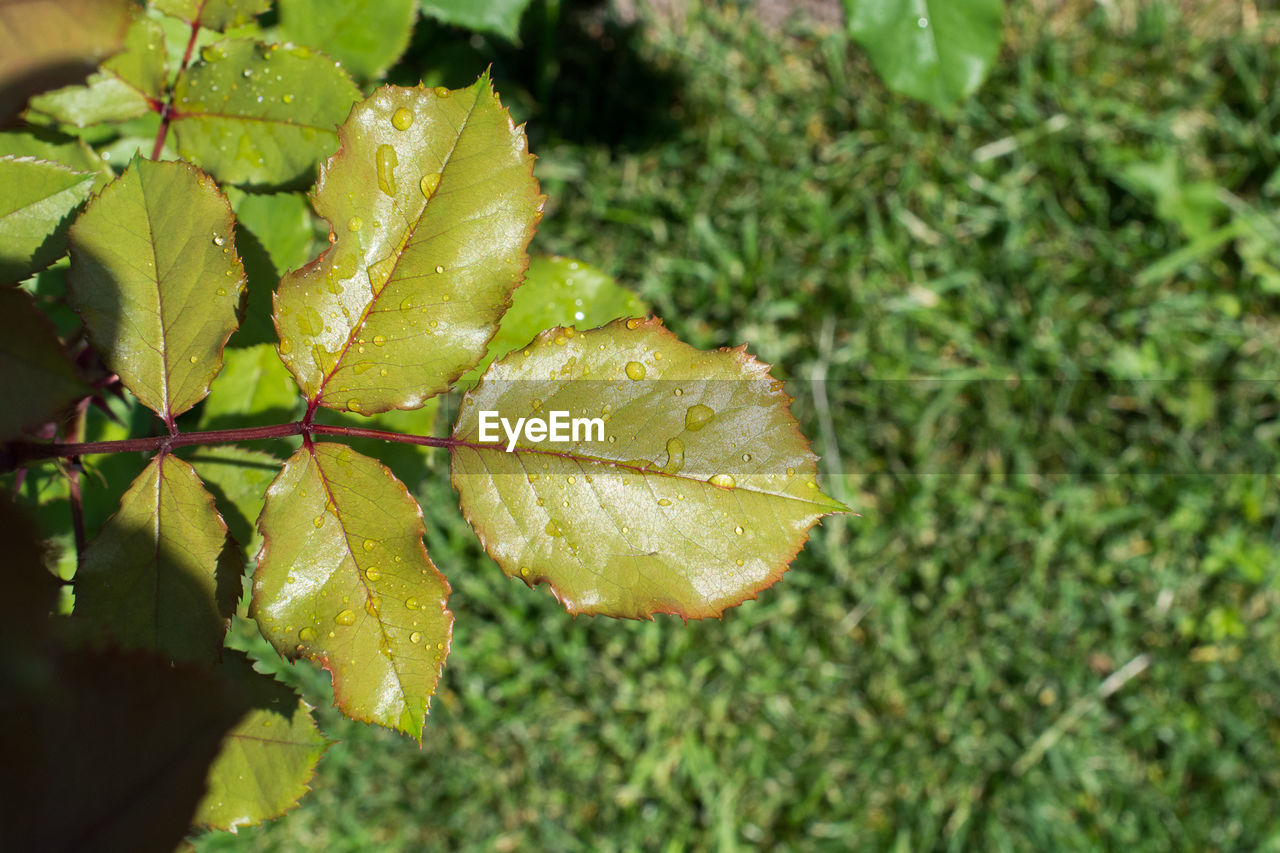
558	292
500	17
258	114
155	242
128	85
49	43
936	50
35	211
266	760
213	14
343	578
37	380
366	36
162	574
694	494
432	201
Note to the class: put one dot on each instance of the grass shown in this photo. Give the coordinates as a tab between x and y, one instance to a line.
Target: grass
1055	623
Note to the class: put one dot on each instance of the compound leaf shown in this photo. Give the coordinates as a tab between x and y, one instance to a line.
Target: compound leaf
127	86
343	578
213	14
266	760
162	574
37	380
558	292
694	495
500	17
155	274
366	36
259	114
938	51
433	201
35	212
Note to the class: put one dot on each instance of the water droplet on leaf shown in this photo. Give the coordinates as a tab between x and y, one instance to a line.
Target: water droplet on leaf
696	417
724	481
385	163
402	119
635	371
345	617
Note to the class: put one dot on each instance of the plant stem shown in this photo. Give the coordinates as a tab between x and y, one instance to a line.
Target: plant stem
166	112
19	453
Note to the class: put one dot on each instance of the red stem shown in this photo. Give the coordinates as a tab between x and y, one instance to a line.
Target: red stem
167	111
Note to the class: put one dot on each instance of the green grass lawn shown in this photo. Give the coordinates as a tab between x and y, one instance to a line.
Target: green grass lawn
1050	391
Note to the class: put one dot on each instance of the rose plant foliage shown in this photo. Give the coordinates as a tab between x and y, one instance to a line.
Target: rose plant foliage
146	288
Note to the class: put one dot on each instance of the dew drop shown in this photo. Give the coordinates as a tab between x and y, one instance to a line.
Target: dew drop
345	617
675	456
724	481
663	502
411	603
288	98
746	457
635	371
679	392
353	405
372	573
402	119
385	163
561	340
194	359
318	521
416	636
738	529
572	479
369	544
307	634
791	472
524	571
442	92
634	323
440	269
379	340
373	605
553	529
922	23
696	417
380	271
218	239
429	184
406	306
355	223
739	561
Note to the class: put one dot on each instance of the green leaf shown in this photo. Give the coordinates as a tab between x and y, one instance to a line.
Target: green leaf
253	387
433	201
266	760
157	241
49	43
283	222
213	14
251	113
35	212
128	85
938	51
238	479
70	151
366	36
37	380
162	574
697	496
343	579
558	292
500	17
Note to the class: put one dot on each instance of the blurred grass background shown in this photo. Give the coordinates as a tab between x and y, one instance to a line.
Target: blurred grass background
1054	624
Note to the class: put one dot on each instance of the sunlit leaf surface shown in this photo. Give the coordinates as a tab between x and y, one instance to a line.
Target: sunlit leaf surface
694	494
432	201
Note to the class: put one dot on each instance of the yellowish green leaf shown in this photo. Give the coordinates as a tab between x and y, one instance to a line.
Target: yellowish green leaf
433	202
693	493
35	211
266	760
343	579
158	240
162	574
128	84
366	36
259	114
